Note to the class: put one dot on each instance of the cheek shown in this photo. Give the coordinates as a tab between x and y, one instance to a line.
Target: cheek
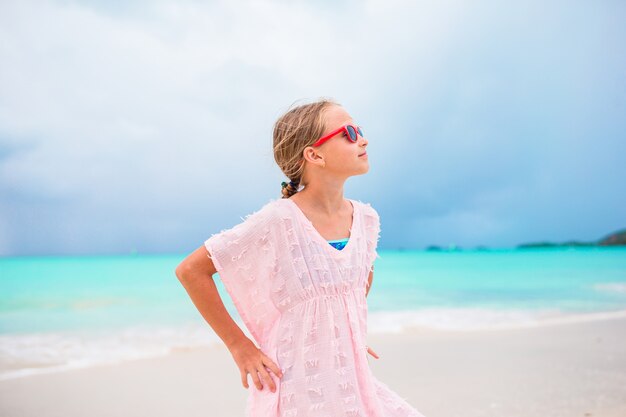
341	153
344	149
341	158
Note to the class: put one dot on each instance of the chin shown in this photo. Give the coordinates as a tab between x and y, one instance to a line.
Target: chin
362	170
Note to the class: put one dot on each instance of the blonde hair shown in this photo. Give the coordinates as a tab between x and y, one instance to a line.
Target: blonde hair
298	128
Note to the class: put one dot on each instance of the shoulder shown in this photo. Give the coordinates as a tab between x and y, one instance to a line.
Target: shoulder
256	226
256	223
368	211
267	214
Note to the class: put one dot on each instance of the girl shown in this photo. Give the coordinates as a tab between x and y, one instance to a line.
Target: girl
298	271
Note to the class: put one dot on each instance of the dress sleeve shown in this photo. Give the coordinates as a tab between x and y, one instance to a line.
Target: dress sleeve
245	260
372	227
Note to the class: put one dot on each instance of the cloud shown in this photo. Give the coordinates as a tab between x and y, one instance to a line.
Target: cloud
147	125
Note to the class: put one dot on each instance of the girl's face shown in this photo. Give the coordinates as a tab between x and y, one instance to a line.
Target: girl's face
340	155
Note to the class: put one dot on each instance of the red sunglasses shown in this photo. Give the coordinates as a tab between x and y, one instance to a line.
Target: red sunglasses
350	131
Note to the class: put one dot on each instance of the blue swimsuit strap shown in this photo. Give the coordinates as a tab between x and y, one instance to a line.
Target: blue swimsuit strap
345	239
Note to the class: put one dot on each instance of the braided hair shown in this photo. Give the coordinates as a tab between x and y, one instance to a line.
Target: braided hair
290	188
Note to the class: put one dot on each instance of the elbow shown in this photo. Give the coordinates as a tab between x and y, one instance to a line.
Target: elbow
181	271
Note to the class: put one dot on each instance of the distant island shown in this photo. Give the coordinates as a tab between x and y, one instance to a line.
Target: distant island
614	239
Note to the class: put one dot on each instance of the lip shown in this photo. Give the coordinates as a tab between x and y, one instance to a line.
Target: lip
363	154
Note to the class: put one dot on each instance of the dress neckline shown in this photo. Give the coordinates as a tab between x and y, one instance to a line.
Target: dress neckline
317	235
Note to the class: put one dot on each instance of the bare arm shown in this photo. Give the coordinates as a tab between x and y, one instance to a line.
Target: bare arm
195	273
370	278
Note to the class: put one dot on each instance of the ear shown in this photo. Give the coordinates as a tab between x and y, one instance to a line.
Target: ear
313	156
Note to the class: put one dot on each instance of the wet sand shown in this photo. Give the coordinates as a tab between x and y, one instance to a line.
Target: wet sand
557	370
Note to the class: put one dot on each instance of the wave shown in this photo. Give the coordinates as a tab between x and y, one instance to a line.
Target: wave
473	319
38	353
615	287
23	355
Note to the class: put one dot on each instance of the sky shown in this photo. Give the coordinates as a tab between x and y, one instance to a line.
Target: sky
146	126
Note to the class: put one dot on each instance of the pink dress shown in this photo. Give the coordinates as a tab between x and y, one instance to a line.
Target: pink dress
304	303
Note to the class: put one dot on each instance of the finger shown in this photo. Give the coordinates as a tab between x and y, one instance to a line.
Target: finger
273	367
244	379
267	379
255	378
371	352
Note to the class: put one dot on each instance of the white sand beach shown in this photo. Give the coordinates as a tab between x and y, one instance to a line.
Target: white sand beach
558	370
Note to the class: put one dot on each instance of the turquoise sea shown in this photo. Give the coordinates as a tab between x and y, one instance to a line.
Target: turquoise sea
59	313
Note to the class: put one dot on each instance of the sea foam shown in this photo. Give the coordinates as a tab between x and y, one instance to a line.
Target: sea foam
26	354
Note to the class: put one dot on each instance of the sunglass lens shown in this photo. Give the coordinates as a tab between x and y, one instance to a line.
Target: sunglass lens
360	131
352	133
